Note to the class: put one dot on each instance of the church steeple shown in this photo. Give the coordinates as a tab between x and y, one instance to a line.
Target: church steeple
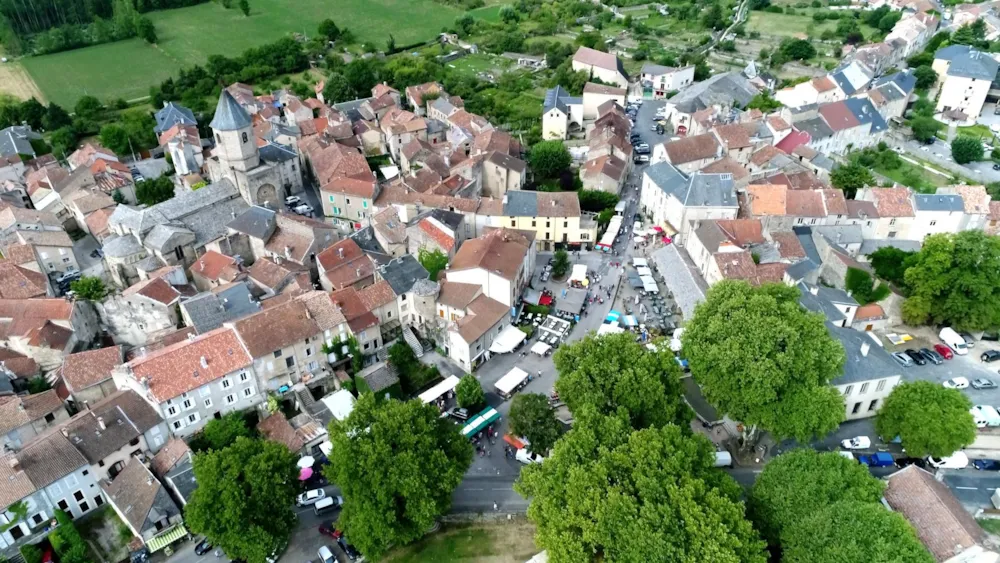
229	115
235	145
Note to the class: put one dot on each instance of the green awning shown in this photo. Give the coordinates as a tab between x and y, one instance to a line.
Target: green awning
166	538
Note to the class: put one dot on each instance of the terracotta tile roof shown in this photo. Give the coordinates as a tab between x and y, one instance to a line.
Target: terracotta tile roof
893	202
607	165
823	84
49	458
496	140
733	135
941	523
593	57
21	254
17	282
836	203
382	89
18	410
995	211
777	123
482	314
736	265
417	92
805	180
277	428
85	369
351	186
501	251
771	273
603	89
857	209
742	232
324	312
344	263
387	223
869	312
215	266
134	492
804	203
271	275
400	196
169	455
110	424
97	221
258	330
458	295
377	295
157	289
14	482
330	160
358	317
764	155
727	165
178	368
49	335
767	199
838	116
443	239
297	244
975	198
788	244
19	364
690	149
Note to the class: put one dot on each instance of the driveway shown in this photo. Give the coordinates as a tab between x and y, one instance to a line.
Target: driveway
939	154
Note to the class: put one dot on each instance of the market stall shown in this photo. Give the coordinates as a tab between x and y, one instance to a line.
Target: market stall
540	348
509	339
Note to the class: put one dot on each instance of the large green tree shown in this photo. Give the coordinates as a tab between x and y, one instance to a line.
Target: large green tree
851	177
797	483
965	149
851	531
925	75
397	464
613	372
532	417
924	127
549	158
612	493
89	288
151	192
891	263
244	499
765	361
222	432
953	281
433	261
930	419
469	393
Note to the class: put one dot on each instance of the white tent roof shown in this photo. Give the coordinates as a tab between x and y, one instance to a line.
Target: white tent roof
649	284
509	382
611	328
644	271
579	272
340	404
639	262
433	393
508	340
540	348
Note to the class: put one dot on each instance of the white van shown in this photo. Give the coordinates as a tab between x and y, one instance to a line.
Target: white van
985	415
957	460
723	459
325	504
953	340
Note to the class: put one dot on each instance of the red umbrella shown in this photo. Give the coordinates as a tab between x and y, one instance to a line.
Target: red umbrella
305	473
658	229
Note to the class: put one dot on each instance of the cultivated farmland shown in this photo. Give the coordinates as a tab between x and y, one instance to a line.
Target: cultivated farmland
187	36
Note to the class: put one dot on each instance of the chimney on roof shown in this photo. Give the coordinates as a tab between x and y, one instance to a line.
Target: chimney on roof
149	480
814	290
64	431
100	423
864	348
288	253
13	463
202	264
357	272
142	351
190	337
340	252
204	362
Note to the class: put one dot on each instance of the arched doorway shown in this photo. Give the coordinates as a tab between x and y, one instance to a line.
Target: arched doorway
266	194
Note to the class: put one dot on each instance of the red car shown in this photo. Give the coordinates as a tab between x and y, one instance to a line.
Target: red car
328	529
943	350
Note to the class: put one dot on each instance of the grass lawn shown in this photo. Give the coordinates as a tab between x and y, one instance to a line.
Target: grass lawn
487	13
482	62
990	525
917	177
497	543
187	36
784	25
978	130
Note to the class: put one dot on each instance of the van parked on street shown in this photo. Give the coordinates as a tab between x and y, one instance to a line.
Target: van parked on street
953	340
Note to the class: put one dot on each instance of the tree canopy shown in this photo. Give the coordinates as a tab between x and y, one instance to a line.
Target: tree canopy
222	432
469	393
924	127
532	417
863	288
953	281
613	372
612	493
433	261
763	360
90	288
560	264
965	149
925	75
797	483
549	158
930	419
891	263
397	464
851	177
853	531
244	499
151	192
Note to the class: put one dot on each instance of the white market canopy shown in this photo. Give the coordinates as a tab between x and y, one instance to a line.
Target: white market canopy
610	328
508	340
644	271
432	394
509	382
649	284
637	262
579	273
540	348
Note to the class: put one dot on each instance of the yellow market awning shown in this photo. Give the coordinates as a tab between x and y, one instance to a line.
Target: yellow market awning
166	538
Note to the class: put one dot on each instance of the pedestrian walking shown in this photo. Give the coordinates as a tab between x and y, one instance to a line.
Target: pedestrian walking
496	507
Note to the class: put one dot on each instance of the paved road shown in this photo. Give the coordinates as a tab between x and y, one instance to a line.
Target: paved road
973	488
939	154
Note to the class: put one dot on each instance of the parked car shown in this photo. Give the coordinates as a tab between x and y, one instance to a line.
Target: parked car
857	443
983	383
917	357
945	351
990	356
905	461
903	359
326	555
957	383
932	356
303	209
641	159
327	528
991	335
203	547
954	341
292	200
350	550
986	464
544	277
310	497
877	459
459	413
969	340
957	460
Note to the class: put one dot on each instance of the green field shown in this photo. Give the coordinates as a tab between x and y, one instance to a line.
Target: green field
784	25
489	543
187	36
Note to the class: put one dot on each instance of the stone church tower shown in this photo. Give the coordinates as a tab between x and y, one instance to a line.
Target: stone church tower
263	175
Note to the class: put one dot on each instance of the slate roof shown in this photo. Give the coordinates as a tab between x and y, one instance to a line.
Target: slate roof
140	497
904	80
878	364
939	519
379	376
723	89
16	139
865	112
50	457
401	273
824	301
182	481
967	62
938	202
209	310
687	286
171	114
257	222
274	152
815	127
229	115
698	190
